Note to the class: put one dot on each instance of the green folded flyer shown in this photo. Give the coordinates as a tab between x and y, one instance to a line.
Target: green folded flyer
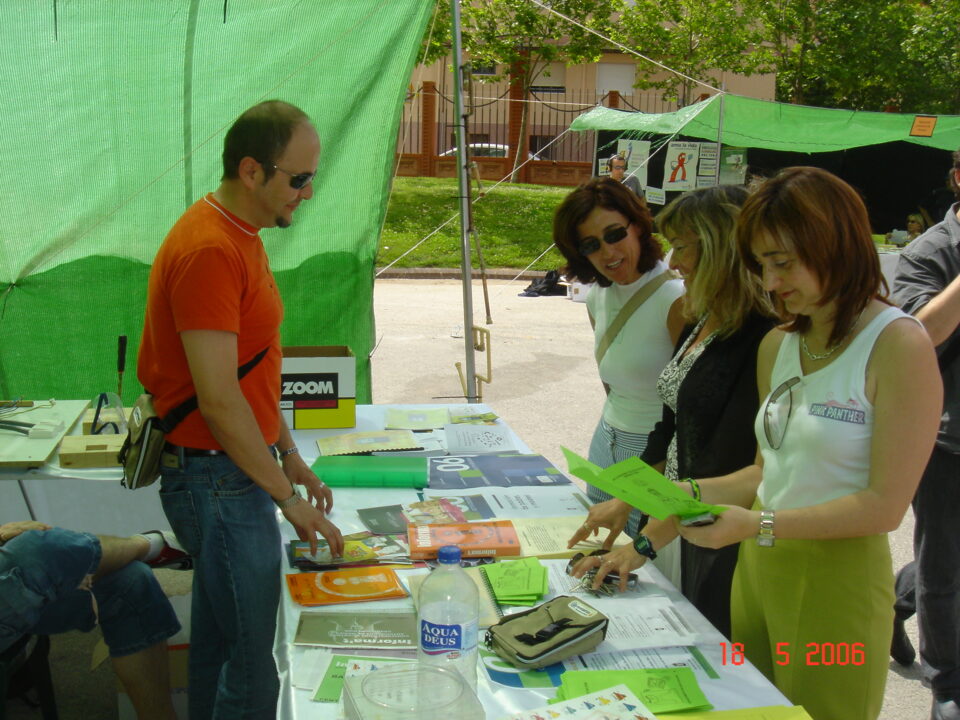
371	471
640	486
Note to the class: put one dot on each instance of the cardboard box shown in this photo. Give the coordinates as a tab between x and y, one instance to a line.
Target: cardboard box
319	387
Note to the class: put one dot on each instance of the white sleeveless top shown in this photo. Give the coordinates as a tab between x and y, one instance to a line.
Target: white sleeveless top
825	449
635	358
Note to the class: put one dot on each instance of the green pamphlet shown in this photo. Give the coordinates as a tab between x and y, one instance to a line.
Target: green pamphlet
517	582
640	486
660	689
371	471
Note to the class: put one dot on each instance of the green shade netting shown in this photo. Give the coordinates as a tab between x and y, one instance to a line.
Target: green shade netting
113	123
748	122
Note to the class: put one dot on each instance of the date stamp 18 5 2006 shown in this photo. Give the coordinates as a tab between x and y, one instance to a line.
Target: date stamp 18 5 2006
828	653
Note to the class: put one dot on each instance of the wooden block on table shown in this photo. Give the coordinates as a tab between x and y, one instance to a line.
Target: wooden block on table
90	451
87	422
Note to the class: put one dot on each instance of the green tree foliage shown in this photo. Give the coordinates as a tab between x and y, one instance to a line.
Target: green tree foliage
862	54
697	38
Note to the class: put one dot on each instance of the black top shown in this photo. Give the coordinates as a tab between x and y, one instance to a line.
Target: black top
717	404
716	407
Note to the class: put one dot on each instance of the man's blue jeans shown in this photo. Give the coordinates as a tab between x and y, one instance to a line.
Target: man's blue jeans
229	525
40	575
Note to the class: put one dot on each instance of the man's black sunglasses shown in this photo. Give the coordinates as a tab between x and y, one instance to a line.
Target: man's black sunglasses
298	181
590	245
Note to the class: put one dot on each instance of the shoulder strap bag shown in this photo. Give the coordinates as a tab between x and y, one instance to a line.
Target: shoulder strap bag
146	434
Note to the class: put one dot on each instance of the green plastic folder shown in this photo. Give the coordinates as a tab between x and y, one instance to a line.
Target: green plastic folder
371	471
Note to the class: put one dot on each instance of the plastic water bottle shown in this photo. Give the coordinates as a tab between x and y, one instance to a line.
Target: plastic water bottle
448	617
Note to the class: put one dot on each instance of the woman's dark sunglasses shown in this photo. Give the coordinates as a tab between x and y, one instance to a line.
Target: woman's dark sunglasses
590	245
299	181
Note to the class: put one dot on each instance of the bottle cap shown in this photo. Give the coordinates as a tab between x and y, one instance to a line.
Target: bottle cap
449	555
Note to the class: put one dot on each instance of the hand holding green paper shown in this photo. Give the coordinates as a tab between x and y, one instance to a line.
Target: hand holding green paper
639	485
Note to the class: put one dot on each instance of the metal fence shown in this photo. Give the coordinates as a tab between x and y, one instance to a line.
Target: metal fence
549	115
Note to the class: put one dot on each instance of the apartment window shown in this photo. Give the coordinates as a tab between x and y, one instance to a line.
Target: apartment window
552	80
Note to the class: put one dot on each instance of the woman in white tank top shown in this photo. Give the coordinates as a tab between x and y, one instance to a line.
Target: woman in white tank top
850	404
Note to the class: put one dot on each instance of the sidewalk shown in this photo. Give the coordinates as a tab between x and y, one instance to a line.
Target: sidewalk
545	385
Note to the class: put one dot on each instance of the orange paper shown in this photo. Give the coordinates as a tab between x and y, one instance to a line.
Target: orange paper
345	586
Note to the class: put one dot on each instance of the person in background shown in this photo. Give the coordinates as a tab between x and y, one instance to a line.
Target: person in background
850	402
605	233
709	388
617	166
915	227
212	307
927	285
54	580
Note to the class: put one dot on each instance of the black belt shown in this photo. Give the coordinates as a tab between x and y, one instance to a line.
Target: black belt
190	452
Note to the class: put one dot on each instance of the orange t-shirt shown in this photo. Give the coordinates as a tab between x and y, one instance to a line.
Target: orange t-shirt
211	273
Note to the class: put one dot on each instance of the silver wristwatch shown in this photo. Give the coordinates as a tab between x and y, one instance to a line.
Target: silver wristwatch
289	502
765	538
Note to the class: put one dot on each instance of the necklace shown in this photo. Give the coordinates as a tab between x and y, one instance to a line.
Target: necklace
831	351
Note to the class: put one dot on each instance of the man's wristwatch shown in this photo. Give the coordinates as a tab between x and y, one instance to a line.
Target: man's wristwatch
290	501
643	546
765	537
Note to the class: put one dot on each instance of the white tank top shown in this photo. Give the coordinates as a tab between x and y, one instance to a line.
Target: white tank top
824	449
635	358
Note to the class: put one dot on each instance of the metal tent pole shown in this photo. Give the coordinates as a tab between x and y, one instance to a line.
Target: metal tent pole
463	185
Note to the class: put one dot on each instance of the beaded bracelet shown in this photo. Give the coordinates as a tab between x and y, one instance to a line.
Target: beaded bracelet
695	486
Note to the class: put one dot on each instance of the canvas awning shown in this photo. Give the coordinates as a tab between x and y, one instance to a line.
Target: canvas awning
748	122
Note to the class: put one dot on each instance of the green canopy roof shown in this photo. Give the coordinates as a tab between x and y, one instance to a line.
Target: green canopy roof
748	122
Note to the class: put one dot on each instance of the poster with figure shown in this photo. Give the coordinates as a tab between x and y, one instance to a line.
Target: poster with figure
636	153
680	166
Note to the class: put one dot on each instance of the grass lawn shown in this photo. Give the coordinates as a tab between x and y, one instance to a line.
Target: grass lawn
513	223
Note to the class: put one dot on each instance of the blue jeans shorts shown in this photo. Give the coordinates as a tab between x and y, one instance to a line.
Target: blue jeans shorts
41	574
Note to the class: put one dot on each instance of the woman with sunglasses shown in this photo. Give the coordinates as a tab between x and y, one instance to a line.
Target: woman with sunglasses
851	399
709	388
605	232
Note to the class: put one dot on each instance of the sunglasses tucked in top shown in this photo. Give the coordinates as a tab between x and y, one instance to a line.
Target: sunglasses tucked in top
611	236
298	181
777	411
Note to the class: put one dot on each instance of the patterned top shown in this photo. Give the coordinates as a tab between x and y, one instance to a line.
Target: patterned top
670	380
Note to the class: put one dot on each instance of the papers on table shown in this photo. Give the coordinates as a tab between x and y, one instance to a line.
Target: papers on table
615	703
660	689
358	628
468	438
520	502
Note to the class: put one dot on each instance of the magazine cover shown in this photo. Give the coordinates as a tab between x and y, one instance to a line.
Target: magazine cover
456	472
431	511
358	549
493	537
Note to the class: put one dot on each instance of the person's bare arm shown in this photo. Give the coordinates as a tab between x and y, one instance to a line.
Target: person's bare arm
941	315
212	358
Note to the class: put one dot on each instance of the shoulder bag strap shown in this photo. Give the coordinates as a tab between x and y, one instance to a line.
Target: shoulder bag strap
177	415
639	297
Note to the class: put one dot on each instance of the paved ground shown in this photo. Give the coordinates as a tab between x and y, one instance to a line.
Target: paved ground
544	385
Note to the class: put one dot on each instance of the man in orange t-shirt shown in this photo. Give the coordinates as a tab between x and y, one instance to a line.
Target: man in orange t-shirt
212	307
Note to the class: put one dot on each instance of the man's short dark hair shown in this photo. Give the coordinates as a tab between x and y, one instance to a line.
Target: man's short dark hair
262	132
616	157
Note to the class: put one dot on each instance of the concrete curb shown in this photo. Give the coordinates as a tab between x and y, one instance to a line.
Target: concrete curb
456	274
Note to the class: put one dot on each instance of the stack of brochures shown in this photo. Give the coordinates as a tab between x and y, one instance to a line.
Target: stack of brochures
517	582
